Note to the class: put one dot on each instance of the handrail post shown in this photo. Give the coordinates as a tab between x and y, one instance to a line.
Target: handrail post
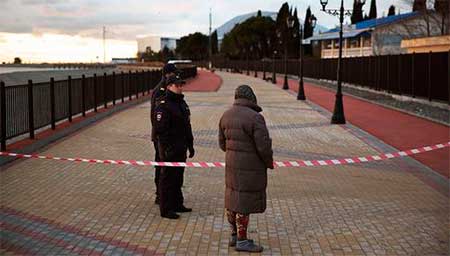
52	103
30	109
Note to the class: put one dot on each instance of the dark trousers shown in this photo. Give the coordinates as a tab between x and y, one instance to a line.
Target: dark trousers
170	194
157	168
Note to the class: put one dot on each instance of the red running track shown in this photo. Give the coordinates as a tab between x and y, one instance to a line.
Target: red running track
400	130
205	81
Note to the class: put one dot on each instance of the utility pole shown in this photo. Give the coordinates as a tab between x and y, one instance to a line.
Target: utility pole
104	44
210	41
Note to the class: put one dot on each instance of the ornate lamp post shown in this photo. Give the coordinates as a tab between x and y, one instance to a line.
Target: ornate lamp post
338	113
301	88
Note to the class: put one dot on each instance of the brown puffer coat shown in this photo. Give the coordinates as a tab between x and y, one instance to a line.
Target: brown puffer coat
244	137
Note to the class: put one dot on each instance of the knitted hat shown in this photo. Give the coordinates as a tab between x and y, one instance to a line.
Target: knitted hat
245	92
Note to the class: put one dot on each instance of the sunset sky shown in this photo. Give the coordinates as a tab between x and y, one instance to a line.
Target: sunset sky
71	30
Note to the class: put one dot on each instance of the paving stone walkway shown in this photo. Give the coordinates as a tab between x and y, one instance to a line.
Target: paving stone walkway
377	208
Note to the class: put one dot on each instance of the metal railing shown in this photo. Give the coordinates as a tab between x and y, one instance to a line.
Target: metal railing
423	75
26	108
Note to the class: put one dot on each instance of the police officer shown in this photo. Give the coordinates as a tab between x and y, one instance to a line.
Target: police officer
158	94
174	136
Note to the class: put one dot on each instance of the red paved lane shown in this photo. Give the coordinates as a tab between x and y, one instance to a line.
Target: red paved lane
398	129
204	82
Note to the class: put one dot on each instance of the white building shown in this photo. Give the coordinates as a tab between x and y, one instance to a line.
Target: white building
156	43
382	36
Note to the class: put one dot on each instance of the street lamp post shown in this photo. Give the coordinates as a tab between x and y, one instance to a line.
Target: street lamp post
301	88
338	113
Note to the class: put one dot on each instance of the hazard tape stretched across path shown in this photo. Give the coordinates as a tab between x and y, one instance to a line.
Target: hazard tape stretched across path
299	163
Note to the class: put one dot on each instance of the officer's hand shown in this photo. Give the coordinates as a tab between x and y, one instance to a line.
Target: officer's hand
191	152
271	166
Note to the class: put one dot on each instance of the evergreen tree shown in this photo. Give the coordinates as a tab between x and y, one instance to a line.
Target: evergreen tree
307	28
357	14
391	10
281	26
296	37
308	31
373	10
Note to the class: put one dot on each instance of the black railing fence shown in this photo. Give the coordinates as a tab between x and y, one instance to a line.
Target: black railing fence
424	75
26	108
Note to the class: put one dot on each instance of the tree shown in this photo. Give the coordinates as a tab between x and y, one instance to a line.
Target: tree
281	25
193	46
373	10
308	30
442	7
391	10
439	15
252	33
167	54
357	14
17	60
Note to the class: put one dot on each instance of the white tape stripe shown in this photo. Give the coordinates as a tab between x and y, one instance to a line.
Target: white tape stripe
280	164
308	163
294	163
336	162
321	162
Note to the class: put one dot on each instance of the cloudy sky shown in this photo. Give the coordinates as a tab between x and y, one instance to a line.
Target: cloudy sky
71	30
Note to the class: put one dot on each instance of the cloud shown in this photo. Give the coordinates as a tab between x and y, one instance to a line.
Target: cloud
127	19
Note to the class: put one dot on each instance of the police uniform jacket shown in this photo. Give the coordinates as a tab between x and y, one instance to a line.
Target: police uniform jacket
173	127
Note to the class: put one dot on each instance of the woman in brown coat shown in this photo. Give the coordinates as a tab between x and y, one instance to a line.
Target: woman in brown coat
244	137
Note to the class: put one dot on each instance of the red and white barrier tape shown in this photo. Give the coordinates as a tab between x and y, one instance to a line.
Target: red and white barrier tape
299	163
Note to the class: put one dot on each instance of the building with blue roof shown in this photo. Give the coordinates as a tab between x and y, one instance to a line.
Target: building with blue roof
380	36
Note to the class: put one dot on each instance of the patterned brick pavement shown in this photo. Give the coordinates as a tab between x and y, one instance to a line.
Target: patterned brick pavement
64	208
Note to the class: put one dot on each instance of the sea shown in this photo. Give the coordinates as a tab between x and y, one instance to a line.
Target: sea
6	70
